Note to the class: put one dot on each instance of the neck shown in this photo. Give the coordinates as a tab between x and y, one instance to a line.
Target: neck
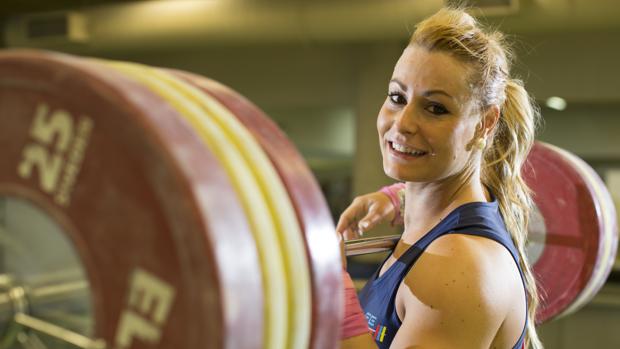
429	203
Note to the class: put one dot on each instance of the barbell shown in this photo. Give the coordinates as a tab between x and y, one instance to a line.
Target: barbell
143	207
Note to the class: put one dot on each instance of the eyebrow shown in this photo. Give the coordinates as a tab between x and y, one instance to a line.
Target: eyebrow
426	93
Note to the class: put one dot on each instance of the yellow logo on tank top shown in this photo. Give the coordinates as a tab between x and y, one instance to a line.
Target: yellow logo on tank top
378	331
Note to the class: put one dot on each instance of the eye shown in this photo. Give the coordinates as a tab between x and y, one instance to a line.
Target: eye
397	98
437	109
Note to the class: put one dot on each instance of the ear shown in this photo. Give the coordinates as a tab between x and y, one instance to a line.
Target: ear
490	117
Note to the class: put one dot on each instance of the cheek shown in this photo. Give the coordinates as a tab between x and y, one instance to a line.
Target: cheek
383	123
448	143
462	134
460	142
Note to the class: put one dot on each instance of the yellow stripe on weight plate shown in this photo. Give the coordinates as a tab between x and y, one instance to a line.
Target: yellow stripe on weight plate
283	258
289	232
247	188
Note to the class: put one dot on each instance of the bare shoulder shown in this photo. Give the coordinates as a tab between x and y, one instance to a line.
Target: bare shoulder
476	267
462	288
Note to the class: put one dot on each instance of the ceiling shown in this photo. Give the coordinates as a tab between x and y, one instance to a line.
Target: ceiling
580	14
17	7
125	24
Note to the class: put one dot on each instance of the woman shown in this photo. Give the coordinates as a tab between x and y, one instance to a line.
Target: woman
456	128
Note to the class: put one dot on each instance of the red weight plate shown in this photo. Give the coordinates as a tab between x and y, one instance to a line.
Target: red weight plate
310	205
152	215
573	232
606	217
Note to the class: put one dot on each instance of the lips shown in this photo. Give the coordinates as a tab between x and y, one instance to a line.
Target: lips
406	150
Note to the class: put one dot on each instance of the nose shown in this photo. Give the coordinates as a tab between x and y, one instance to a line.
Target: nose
407	120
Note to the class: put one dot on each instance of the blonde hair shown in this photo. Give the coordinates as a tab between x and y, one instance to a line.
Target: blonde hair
453	31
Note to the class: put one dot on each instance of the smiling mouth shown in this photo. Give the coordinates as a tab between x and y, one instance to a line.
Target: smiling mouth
404	150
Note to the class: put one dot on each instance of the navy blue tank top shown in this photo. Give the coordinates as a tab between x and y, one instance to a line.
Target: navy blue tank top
378	297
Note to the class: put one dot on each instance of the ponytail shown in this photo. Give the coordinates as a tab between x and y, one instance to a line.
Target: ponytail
501	172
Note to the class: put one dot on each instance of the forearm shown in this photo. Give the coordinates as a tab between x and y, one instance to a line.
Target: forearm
354	327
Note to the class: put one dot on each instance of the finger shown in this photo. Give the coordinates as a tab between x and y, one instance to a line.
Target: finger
352	233
374	217
349	216
345	220
348	231
349	234
345	234
343	224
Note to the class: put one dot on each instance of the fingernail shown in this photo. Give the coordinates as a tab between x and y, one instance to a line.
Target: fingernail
364	225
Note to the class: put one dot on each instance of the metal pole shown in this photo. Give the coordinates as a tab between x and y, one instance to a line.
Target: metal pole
370	245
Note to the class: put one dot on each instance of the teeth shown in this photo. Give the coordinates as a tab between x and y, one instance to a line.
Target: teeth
403	149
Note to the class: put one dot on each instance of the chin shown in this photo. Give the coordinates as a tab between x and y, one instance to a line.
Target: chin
408	175
402	176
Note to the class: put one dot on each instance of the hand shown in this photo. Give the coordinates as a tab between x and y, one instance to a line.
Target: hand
363	214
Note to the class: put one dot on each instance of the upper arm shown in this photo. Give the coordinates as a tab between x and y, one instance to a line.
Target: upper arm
452	298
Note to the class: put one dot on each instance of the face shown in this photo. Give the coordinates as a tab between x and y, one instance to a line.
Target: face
428	123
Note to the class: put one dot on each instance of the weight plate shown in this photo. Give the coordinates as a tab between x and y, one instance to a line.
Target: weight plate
574	235
151	213
606	217
218	126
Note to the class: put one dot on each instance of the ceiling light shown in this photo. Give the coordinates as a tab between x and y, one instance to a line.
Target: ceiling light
556	103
